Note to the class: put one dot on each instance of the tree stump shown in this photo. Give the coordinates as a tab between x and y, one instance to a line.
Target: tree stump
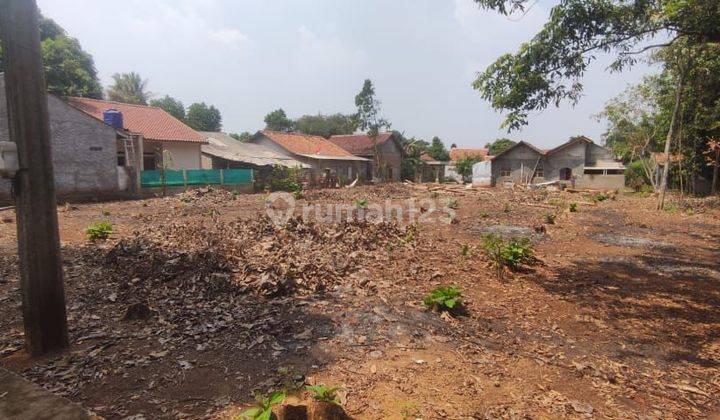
326	411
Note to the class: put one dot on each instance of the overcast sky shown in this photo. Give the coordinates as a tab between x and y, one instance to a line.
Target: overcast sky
308	56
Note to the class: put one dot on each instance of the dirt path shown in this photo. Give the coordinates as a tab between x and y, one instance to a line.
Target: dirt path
617	320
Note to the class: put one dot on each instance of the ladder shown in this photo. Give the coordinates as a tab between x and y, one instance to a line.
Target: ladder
130	151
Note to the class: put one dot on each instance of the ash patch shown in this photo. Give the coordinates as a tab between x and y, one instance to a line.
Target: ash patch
630	241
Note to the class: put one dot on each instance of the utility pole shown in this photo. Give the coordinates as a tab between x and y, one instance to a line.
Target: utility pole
41	275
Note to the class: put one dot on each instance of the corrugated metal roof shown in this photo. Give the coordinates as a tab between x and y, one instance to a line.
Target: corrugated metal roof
223	146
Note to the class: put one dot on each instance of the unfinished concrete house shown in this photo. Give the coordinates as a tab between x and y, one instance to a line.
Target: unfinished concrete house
84	154
385	153
578	163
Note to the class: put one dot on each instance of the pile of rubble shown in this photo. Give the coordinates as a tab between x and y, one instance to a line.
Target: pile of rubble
251	256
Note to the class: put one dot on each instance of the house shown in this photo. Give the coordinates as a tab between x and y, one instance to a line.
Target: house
457	154
160	139
225	152
579	163
430	170
385	153
325	160
84	152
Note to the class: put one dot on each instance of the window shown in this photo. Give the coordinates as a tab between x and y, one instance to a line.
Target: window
121	159
505	171
539	172
593	171
565	174
149	162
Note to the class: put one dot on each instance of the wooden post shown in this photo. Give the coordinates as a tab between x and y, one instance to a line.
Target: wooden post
41	275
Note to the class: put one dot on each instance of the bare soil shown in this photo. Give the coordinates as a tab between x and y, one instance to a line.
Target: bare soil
617	318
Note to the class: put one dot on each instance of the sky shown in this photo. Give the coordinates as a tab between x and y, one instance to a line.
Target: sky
250	57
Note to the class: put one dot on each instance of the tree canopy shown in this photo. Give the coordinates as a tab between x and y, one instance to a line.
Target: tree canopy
547	69
202	117
244	136
326	125
499	145
278	121
171	105
69	71
369	115
128	88
437	150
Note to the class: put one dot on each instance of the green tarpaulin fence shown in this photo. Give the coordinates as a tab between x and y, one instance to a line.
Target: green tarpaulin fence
196	177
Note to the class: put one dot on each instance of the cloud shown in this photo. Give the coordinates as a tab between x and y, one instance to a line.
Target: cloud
231	38
317	53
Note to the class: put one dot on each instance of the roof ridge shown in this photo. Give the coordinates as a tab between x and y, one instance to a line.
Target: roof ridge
115	102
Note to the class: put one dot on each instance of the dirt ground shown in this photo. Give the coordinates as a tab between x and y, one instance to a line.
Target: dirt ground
617	318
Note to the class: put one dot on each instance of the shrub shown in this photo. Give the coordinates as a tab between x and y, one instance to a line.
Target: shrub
598	197
511	253
550	218
452	203
106	213
282	178
99	231
298	195
361	202
443	298
263	406
574	207
635	176
484	214
324	393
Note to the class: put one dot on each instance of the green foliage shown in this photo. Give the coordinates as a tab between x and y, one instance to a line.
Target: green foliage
361	202
298	195
507	208
128	88
201	117
106	213
171	105
326	125
635	176
574	208
443	298
368	117
550	218
507	253
283	178
244	136
499	145
452	203
484	214
412	149
599	197
263	407
437	150
672	208
278	121
464	165
99	231
465	250
546	69
324	393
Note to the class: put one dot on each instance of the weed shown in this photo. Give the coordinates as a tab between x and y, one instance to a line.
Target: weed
574	207
511	253
452	203
689	211
484	214
465	250
550	218
298	195
99	231
434	194
263	406
600	197
443	298
671	208
507	208
324	393
106	213
361	202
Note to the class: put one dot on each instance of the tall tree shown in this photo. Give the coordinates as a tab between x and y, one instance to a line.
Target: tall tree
204	118
278	121
369	118
326	125
128	88
499	145
171	105
244	136
437	150
69	71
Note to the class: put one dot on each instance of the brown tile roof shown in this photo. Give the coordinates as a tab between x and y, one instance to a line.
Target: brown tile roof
359	144
153	123
457	153
302	144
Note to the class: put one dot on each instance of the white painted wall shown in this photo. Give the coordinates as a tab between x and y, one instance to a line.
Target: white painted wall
184	155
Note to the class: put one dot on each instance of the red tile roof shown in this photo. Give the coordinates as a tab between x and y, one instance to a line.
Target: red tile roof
153	123
457	153
302	144
360	144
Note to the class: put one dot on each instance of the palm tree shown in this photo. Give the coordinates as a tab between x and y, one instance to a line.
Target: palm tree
128	88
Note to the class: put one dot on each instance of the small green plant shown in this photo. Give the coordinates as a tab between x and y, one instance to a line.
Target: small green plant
298	195
690	211
465	250
507	253
361	202
443	298
106	213
99	231
452	203
324	393
671	208
600	197
484	214
550	218
507	208
574	207
263	406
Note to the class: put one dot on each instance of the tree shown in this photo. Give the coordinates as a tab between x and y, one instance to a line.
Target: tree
437	150
278	121
171	105
244	136
548	68
128	88
464	165
368	118
69	71
203	118
412	149
499	145
326	125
